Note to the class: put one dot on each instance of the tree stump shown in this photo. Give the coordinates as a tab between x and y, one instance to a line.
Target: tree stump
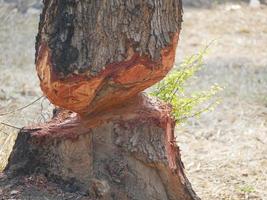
128	152
93	58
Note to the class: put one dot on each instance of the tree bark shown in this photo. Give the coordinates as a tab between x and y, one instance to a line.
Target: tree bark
92	54
127	153
93	59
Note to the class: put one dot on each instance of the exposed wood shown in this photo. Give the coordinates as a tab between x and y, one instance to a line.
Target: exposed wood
129	153
109	141
92	55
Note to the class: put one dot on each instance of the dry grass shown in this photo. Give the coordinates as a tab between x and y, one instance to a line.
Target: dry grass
225	152
19	83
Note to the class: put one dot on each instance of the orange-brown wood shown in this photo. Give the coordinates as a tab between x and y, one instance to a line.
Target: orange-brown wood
70	125
116	83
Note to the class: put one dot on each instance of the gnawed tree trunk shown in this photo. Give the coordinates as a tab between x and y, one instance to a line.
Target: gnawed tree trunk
128	152
94	54
94	58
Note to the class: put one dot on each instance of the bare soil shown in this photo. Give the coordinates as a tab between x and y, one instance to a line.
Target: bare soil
225	151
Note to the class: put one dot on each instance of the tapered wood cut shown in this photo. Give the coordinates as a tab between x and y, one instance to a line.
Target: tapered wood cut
126	153
108	139
94	54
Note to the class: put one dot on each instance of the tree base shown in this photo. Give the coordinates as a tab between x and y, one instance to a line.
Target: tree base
128	152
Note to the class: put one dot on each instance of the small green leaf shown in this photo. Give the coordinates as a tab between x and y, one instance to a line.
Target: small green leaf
172	90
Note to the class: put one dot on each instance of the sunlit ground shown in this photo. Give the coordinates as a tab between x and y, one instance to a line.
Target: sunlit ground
225	151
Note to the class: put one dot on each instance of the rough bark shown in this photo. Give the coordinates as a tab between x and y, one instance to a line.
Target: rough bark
129	153
91	55
94	57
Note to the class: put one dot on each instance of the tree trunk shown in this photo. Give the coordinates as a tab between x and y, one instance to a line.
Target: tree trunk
126	153
94	54
107	139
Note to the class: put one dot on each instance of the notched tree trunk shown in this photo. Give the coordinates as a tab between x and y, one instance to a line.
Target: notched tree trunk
94	57
128	152
93	54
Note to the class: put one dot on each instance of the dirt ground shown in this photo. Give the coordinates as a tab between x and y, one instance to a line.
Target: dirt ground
225	151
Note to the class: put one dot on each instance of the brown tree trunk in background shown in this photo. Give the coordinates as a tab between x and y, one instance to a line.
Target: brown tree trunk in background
94	58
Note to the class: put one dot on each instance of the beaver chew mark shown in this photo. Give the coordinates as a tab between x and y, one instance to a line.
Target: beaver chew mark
122	153
96	54
117	83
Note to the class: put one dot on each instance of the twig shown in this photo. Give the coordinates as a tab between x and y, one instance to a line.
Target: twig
196	113
183	72
176	89
19	109
5	124
197	60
